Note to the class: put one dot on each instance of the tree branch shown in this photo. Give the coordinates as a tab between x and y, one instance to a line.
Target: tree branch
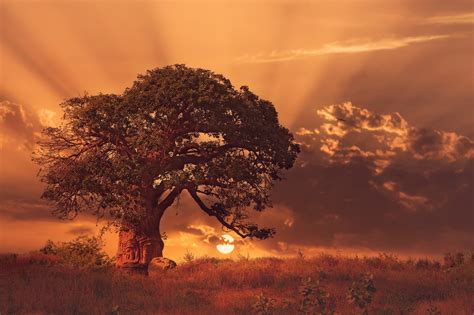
211	212
170	198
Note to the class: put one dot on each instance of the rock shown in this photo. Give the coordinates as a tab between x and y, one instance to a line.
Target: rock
159	264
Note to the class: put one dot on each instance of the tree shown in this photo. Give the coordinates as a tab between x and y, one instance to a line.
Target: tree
177	129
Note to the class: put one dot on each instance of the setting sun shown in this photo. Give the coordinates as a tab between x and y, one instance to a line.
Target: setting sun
226	246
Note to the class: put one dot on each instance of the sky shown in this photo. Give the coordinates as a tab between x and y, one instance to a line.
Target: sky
378	93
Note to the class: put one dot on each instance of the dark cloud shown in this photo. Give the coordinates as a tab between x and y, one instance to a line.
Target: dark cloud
374	181
23	210
80	230
209	232
20	128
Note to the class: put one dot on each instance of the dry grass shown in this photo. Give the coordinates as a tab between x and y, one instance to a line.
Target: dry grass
37	284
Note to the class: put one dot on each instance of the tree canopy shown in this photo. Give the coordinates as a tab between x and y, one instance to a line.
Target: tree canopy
175	129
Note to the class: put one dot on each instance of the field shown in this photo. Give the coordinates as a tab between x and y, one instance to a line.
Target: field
40	284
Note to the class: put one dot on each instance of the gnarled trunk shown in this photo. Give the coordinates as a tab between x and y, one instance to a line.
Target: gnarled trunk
136	250
138	245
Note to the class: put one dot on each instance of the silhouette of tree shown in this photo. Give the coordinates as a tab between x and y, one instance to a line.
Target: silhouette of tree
128	157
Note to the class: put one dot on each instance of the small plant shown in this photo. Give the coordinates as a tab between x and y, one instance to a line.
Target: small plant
242	257
188	256
361	292
263	305
314	299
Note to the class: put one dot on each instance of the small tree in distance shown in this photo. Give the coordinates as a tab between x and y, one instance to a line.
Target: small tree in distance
177	129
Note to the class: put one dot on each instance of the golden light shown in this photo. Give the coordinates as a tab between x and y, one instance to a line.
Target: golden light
226	246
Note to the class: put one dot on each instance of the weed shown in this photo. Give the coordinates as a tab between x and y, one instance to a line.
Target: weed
242	257
188	256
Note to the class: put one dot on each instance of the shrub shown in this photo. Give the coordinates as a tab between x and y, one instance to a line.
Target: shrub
83	252
314	298
449	261
263	305
360	292
423	263
459	259
49	248
8	259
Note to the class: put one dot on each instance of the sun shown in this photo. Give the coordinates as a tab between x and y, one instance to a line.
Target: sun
226	246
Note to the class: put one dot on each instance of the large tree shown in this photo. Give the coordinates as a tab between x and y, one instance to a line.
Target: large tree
129	157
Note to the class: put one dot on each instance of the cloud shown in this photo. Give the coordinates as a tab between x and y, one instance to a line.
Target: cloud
22	126
346	47
25	210
373	181
464	18
353	131
80	230
20	129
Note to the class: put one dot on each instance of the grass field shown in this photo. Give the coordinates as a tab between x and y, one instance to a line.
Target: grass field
40	284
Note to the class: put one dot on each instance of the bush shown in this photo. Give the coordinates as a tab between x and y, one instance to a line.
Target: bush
263	305
459	259
83	252
451	261
424	263
314	298
361	292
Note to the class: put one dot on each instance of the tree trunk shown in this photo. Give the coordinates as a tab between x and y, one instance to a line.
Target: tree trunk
139	245
136	250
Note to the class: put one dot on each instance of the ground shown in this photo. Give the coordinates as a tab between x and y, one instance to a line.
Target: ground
40	284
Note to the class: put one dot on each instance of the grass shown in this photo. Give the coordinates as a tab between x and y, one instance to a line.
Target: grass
39	284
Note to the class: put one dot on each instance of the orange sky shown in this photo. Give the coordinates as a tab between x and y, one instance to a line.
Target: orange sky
408	57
